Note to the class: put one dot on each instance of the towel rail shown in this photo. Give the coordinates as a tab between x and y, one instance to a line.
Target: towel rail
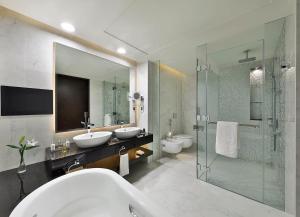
242	125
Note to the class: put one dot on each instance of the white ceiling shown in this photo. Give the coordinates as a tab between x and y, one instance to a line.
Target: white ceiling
73	62
168	30
221	54
230	57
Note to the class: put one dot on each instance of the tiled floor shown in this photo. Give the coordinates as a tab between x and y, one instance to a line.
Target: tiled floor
171	182
249	178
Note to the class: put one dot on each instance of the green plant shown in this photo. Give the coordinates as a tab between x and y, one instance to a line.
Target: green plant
23	146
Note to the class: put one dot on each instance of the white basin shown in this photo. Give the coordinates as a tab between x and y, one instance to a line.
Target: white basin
127	132
92	139
88	193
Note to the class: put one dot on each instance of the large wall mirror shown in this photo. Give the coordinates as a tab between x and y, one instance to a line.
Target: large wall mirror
88	87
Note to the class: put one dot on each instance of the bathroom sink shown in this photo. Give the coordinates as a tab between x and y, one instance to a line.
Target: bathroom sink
92	139
127	132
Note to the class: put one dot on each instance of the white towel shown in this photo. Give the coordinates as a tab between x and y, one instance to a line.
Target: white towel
124	165
227	139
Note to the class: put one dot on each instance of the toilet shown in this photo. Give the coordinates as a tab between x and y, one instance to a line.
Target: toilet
187	140
175	144
171	146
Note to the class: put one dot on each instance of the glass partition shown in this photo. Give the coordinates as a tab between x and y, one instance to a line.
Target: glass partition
251	89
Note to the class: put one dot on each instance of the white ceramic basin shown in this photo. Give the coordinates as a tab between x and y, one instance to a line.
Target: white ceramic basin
127	132
92	139
88	193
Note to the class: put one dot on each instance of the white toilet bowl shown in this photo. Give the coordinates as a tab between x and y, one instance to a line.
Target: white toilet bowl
171	146
187	140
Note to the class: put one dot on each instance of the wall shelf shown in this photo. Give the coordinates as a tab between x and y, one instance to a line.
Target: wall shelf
147	153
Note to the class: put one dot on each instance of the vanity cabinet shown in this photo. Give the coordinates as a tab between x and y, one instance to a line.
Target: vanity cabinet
59	161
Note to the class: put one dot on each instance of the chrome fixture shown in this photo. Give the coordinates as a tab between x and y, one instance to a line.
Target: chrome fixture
242	125
86	123
132	211
76	163
247	59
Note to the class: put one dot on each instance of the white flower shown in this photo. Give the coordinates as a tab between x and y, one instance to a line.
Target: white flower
32	142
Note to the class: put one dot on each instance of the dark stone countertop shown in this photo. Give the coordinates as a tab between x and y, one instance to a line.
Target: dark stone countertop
59	160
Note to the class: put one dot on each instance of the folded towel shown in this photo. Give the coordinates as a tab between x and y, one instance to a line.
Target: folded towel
227	139
124	164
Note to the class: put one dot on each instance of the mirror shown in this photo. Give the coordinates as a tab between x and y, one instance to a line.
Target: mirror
89	90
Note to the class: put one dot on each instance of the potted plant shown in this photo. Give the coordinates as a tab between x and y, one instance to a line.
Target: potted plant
22	147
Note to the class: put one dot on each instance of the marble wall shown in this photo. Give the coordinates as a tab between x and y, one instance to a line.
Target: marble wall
189	89
288	119
154	107
284	158
297	109
27	60
170	103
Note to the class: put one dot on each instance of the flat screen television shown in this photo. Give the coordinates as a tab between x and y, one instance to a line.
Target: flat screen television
25	101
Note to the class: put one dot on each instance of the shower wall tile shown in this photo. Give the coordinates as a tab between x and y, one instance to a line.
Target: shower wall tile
284	158
234	105
234	93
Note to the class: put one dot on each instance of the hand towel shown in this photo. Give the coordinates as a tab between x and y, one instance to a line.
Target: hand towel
124	165
227	139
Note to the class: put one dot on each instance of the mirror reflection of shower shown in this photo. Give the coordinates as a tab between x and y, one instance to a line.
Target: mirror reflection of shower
115	102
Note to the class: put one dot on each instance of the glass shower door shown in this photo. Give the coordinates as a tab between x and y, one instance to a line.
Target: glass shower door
225	93
201	121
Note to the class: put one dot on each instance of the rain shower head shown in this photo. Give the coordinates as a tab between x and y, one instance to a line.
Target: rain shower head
247	59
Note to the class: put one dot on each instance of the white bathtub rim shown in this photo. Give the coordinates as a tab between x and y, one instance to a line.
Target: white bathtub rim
142	201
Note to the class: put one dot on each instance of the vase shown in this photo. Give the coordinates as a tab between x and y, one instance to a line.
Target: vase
22	166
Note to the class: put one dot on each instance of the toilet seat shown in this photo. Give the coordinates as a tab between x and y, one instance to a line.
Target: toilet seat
171	146
186	139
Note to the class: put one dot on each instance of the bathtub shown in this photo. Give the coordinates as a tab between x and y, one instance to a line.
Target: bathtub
88	193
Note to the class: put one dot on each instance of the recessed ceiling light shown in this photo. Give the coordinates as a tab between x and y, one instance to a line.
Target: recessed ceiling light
68	27
121	50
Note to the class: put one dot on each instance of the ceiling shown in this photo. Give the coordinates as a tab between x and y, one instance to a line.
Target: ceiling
166	30
73	62
228	56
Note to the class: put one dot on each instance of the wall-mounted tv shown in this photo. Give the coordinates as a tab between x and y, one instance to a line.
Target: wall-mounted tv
25	101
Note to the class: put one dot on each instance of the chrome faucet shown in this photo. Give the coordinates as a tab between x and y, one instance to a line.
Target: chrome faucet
76	163
86	123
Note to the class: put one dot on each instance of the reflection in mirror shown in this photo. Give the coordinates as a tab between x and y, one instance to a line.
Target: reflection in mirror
90	91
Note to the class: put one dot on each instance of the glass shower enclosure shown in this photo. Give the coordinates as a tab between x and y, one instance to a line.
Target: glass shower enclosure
115	101
243	84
